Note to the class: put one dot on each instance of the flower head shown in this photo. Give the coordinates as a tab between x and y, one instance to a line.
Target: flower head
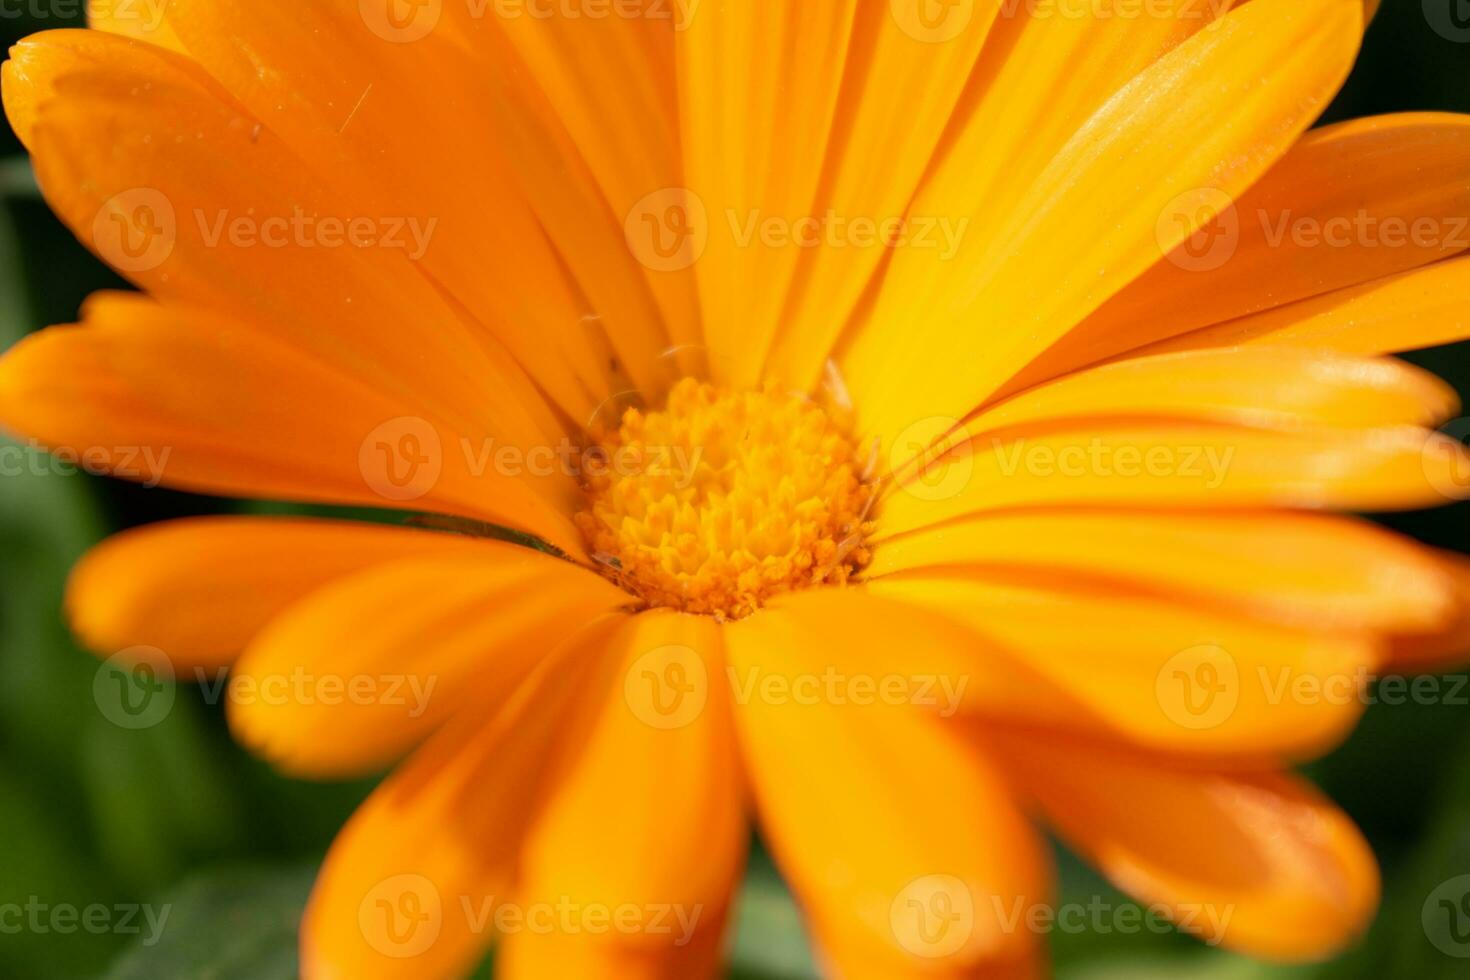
916	422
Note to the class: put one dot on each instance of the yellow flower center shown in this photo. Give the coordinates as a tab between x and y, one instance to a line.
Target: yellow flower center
723	499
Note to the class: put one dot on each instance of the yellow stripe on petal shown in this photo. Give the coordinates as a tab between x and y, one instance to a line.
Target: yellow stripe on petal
596	158
895	836
1397	200
645	819
758	93
1038	81
431	631
1269	388
906	73
1185	680
410	886
1409	311
1182	465
1322	572
1261	864
1215	112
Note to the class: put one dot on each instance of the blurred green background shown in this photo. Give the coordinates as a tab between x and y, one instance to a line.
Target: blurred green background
175	816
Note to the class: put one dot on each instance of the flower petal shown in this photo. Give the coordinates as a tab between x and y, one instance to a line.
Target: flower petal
843	195
419	636
831	778
1210	687
1262	864
1404	312
644	829
1320	572
593	158
142	20
1259	387
1215	111
1397	201
1448	647
200	589
419	125
187	398
409	886
171	180
742	70
1185	465
1036	80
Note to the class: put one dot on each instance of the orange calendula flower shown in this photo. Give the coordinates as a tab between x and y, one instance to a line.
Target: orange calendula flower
921	422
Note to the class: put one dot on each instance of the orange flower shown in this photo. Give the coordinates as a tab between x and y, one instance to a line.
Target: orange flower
919	407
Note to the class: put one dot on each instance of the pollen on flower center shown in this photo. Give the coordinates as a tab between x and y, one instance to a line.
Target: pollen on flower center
723	499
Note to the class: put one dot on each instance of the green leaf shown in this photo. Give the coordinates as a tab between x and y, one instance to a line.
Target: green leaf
47	520
1201	965
770	942
43	871
161	795
1412	937
14	311
227	925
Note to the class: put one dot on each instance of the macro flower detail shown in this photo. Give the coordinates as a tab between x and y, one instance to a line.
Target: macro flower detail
769	495
898	433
